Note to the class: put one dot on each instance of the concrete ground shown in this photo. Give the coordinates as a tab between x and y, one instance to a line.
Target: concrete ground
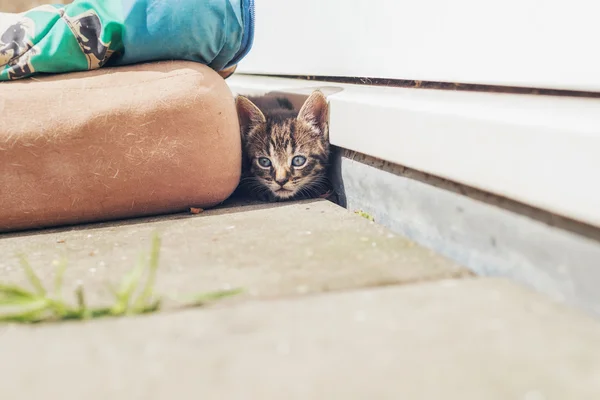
334	306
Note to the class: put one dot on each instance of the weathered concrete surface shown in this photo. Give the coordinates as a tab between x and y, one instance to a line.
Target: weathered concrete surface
490	235
266	250
466	339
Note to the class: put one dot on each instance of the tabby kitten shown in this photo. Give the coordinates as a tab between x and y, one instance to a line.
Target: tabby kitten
286	152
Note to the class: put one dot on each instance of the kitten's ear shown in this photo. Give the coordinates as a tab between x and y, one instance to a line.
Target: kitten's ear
248	114
315	111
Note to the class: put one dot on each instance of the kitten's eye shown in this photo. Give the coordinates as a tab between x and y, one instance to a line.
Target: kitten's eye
298	161
264	162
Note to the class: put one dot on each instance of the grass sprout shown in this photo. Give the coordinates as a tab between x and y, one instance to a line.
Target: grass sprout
36	305
365	215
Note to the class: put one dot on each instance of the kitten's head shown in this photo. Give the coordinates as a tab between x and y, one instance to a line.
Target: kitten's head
286	153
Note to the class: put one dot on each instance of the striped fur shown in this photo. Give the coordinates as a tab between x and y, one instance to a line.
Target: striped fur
284	137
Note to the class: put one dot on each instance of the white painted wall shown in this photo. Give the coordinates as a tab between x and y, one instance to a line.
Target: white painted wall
530	43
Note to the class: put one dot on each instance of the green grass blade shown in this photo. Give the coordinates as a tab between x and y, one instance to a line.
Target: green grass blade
128	286
206	298
84	312
17	301
91	313
80	295
100	312
150	308
148	290
33	317
59	308
131	280
12	295
11	291
59	278
31	275
34	312
31	306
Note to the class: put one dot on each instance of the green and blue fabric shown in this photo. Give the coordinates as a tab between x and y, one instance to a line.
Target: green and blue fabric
89	34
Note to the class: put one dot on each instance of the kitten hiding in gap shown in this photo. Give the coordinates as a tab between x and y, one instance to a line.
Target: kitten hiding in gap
286	152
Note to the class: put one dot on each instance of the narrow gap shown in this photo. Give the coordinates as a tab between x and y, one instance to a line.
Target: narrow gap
414	84
546	217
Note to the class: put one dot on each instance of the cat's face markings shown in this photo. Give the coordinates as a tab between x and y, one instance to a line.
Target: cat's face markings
286	156
279	167
284	162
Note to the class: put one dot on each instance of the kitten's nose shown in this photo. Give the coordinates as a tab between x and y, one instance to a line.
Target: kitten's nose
282	182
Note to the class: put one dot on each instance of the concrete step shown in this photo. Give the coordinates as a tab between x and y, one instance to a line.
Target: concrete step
267	250
434	331
457	340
